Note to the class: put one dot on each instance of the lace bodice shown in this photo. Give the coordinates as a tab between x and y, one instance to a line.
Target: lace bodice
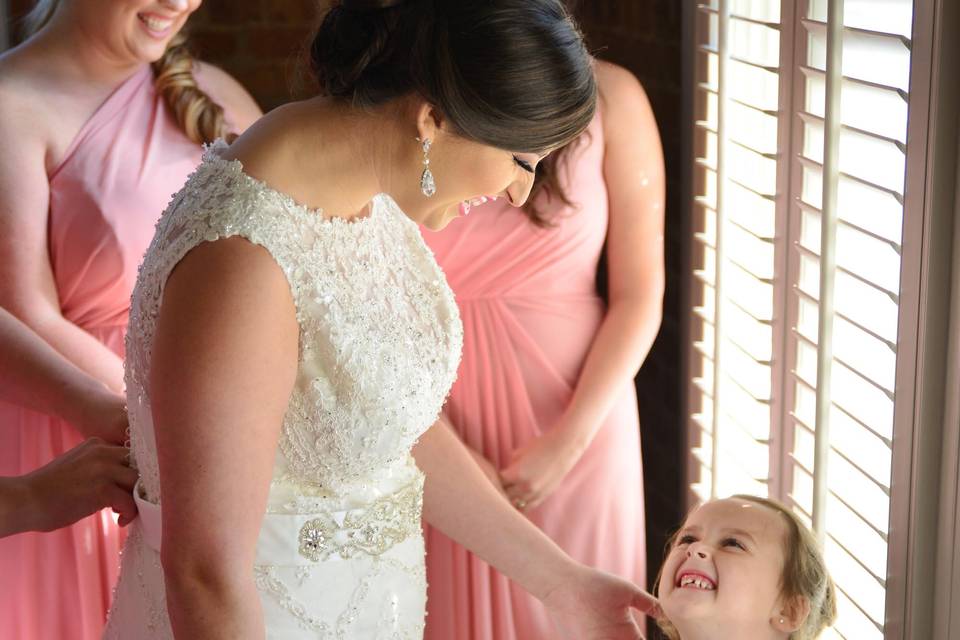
380	335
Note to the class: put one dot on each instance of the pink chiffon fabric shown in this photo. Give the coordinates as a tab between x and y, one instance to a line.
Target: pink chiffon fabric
530	311
105	198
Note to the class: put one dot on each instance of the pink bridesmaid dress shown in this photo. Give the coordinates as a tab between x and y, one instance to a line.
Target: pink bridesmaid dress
105	198
530	311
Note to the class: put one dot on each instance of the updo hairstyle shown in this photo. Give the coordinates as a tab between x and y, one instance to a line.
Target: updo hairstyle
513	74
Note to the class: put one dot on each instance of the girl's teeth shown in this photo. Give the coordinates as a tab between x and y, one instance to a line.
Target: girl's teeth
699	583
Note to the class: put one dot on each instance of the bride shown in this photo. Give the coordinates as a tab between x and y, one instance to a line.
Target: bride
292	340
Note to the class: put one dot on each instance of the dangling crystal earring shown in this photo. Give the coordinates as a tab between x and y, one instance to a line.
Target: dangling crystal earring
427	184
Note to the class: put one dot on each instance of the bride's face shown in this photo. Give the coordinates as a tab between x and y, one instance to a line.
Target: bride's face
466	174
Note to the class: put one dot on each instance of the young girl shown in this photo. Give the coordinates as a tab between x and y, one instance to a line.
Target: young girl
745	567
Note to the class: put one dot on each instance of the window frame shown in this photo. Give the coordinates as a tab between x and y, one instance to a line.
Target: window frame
926	464
926	416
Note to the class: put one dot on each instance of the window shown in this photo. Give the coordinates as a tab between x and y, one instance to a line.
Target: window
803	293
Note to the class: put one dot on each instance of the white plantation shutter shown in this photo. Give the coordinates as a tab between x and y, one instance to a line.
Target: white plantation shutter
849	192
737	100
800	141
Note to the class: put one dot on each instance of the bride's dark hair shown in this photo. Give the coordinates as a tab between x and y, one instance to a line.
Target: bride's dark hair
512	74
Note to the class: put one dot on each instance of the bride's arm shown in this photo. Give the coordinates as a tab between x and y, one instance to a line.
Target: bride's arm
461	502
224	362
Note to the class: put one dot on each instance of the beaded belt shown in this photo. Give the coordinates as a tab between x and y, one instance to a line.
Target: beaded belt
304	539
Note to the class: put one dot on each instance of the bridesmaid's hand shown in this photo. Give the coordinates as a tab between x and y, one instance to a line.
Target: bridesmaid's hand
539	466
594	605
103	414
91	476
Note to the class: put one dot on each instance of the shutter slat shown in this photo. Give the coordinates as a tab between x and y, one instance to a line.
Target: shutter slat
868	403
754	414
740	384
811	164
750	252
756	171
873	210
876	57
870	453
852	622
814	257
858	555
766	322
766	11
893	16
753	128
749	373
752	336
856	83
749	292
754	85
808	299
755	43
869	594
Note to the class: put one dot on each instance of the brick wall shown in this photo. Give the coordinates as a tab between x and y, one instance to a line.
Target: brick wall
260	42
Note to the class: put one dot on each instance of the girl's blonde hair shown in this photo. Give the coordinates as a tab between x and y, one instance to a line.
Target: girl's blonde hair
804	575
199	117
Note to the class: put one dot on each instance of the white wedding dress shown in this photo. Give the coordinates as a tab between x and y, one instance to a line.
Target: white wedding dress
340	553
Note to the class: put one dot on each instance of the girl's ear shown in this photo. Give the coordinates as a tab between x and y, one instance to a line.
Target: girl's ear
792	614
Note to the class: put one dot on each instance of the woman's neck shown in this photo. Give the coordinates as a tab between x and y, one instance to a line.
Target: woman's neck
305	148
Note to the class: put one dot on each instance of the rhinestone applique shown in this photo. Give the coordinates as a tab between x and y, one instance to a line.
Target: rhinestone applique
371	531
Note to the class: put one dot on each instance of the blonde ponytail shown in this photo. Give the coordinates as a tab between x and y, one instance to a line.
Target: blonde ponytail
200	118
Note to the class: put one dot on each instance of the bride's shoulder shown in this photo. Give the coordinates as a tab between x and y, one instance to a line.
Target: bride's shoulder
268	151
259	147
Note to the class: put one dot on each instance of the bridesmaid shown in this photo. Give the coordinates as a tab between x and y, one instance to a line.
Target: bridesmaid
545	397
101	119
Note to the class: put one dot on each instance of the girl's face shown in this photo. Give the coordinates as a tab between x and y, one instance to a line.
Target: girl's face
134	31
467	173
722	577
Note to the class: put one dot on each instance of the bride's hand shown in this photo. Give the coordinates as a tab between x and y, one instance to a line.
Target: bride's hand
597	606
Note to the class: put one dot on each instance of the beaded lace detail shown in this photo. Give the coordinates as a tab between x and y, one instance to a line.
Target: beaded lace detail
380	340
380	335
